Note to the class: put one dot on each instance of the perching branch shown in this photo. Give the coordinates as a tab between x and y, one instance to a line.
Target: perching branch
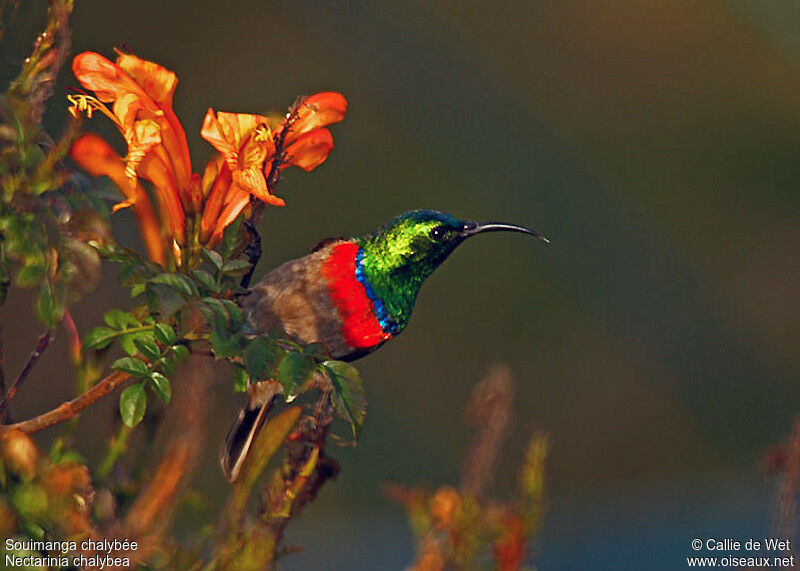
41	344
71	409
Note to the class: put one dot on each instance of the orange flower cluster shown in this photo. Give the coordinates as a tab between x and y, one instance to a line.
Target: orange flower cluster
190	209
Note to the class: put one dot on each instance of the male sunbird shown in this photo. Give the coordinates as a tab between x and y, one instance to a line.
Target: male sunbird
352	295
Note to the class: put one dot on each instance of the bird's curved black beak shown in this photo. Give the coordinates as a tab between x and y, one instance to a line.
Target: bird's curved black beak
472	228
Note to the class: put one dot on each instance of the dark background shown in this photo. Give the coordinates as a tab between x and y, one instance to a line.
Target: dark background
656	338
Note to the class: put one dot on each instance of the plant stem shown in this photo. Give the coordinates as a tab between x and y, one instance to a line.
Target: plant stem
41	344
70	409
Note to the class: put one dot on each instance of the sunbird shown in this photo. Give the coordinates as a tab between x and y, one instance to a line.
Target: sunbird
352	295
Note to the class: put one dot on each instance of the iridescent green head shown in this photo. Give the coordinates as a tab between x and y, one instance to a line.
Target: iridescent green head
401	254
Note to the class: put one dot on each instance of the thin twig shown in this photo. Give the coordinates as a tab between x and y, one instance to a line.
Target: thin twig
41	344
72	408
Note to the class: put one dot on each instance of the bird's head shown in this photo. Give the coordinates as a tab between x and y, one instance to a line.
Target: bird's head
402	253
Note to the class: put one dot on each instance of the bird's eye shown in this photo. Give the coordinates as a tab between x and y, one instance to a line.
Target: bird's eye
438	233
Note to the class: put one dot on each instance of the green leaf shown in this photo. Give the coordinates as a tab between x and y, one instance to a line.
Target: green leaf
161	387
128	340
165	334
230	237
181	352
294	370
262	358
235	313
225	345
148	348
49	308
167	365
315	350
164	299
349	399
99	338
236	266
213	258
32	272
179	283
138	289
220	314
29	499
132	404
241	380
132	366
205	279
119	319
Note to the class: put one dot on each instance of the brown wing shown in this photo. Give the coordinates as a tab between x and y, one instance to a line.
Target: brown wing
293	298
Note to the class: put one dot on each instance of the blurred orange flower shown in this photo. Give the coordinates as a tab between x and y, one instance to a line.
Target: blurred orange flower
253	150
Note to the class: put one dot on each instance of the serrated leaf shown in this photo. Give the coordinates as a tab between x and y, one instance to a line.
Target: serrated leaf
221	316
294	370
181	352
99	338
349	399
241	380
179	283
262	358
161	386
132	404
164	334
148	348
118	319
234	311
132	366
205	279
213	258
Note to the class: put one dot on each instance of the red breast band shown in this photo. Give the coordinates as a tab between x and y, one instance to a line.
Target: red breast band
360	327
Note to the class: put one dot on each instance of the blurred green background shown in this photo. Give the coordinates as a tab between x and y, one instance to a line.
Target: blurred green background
656	144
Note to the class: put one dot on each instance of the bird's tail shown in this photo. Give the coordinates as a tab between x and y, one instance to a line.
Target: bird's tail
251	417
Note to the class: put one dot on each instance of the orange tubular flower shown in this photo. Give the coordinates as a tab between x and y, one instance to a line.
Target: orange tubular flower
96	157
305	138
141	93
252	150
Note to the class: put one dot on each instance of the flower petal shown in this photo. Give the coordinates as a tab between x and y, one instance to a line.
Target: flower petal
216	132
145	135
237	137
111	82
237	200
107	80
215	200
155	168
252	180
96	157
310	149
318	110
158	82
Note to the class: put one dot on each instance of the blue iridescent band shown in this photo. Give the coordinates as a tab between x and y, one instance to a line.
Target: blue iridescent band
388	325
